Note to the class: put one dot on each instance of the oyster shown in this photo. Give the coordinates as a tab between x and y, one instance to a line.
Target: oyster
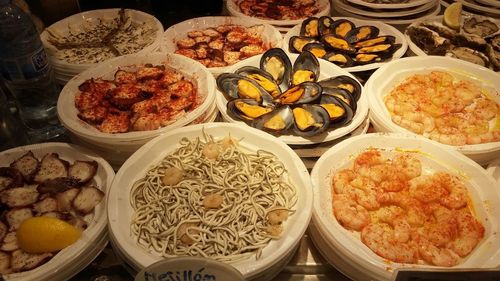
480	27
276	62
494	56
305	68
246	109
428	40
469	55
310	120
439	28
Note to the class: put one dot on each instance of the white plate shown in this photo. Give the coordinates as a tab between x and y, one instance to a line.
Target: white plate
386	77
408	4
189	68
234	10
62	27
75	257
406	20
481	8
485	199
494	169
493	3
327	70
385	14
270	35
120	211
385	29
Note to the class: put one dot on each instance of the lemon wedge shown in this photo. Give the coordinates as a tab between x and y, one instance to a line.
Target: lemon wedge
45	234
452	15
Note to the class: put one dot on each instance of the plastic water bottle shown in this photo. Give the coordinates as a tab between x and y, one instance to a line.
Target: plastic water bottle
12	132
27	73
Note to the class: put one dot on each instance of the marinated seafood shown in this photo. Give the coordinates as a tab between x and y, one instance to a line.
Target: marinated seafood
43	187
140	98
222	45
107	38
278	10
406	217
342	43
283	98
445	109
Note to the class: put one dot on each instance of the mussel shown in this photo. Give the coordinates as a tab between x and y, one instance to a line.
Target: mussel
297	43
340	59
342	27
337	43
310	120
278	120
339	112
361	33
325	25
343	82
238	86
276	62
305	68
342	94
375	41
263	78
386	48
361	59
246	109
302	93
317	49
309	27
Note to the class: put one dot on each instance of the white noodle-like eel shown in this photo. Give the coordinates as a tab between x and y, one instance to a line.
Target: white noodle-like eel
251	184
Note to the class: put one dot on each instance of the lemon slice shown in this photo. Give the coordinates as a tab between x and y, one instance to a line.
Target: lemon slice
45	234
452	15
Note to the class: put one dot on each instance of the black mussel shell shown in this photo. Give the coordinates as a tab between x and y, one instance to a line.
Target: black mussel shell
246	109
310	120
361	59
306	92
340	59
337	43
297	43
343	82
325	25
276	62
375	41
385	48
278	120
339	112
362	33
305	68
239	86
342	27
317	49
309	27
342	94
263	78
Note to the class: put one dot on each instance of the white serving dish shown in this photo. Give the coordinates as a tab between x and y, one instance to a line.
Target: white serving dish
381	13
395	6
234	10
346	245
385	29
77	256
270	35
388	76
120	211
327	70
494	169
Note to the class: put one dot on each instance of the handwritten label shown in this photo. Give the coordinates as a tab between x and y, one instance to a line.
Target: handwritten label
185	275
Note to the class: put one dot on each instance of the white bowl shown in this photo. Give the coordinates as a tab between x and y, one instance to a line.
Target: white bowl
389	5
270	35
347	245
77	256
67	111
234	10
76	21
385	29
120	212
388	76
327	70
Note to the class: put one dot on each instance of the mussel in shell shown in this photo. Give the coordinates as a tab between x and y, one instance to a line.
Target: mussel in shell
387	49
310	120
297	43
385	39
339	112
325	25
317	49
278	120
238	86
337	43
340	59
343	82
305	68
276	62
361	59
310	27
342	27
306	92
362	33
246	109
263	78
342	94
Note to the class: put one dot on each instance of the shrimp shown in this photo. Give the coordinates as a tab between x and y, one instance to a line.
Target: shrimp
417	122
443	229
413	208
341	180
485	108
457	192
348	213
388	177
213	201
470	233
365	192
277	216
467	91
382	239
172	176
450	139
425	189
435	255
408	164
211	151
366	160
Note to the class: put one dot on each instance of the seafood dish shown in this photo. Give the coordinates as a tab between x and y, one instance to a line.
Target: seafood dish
286	99
139	98
99	39
278	10
403	214
224	201
445	109
476	41
386	1
343	43
222	45
48	187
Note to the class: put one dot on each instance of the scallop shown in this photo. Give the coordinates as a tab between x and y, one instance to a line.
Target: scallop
276	62
305	68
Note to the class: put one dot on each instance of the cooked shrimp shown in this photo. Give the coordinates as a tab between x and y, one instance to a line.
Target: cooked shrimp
451	139
366	160
457	192
485	108
417	122
341	180
436	256
277	216
365	193
426	189
470	232
388	177
383	240
213	201
228	142
350	214
443	229
408	164
211	151
414	210
172	176
185	232
467	91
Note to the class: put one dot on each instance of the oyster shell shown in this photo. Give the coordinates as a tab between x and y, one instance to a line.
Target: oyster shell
428	40
469	55
494	56
481	27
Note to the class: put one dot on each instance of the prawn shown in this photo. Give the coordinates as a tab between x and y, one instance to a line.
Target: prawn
435	255
408	164
341	180
366	160
365	192
443	229
450	139
470	233
426	190
457	192
414	210
417	122
389	177
349	213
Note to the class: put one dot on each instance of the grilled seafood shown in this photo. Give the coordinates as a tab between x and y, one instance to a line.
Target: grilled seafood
427	220
278	10
138	99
